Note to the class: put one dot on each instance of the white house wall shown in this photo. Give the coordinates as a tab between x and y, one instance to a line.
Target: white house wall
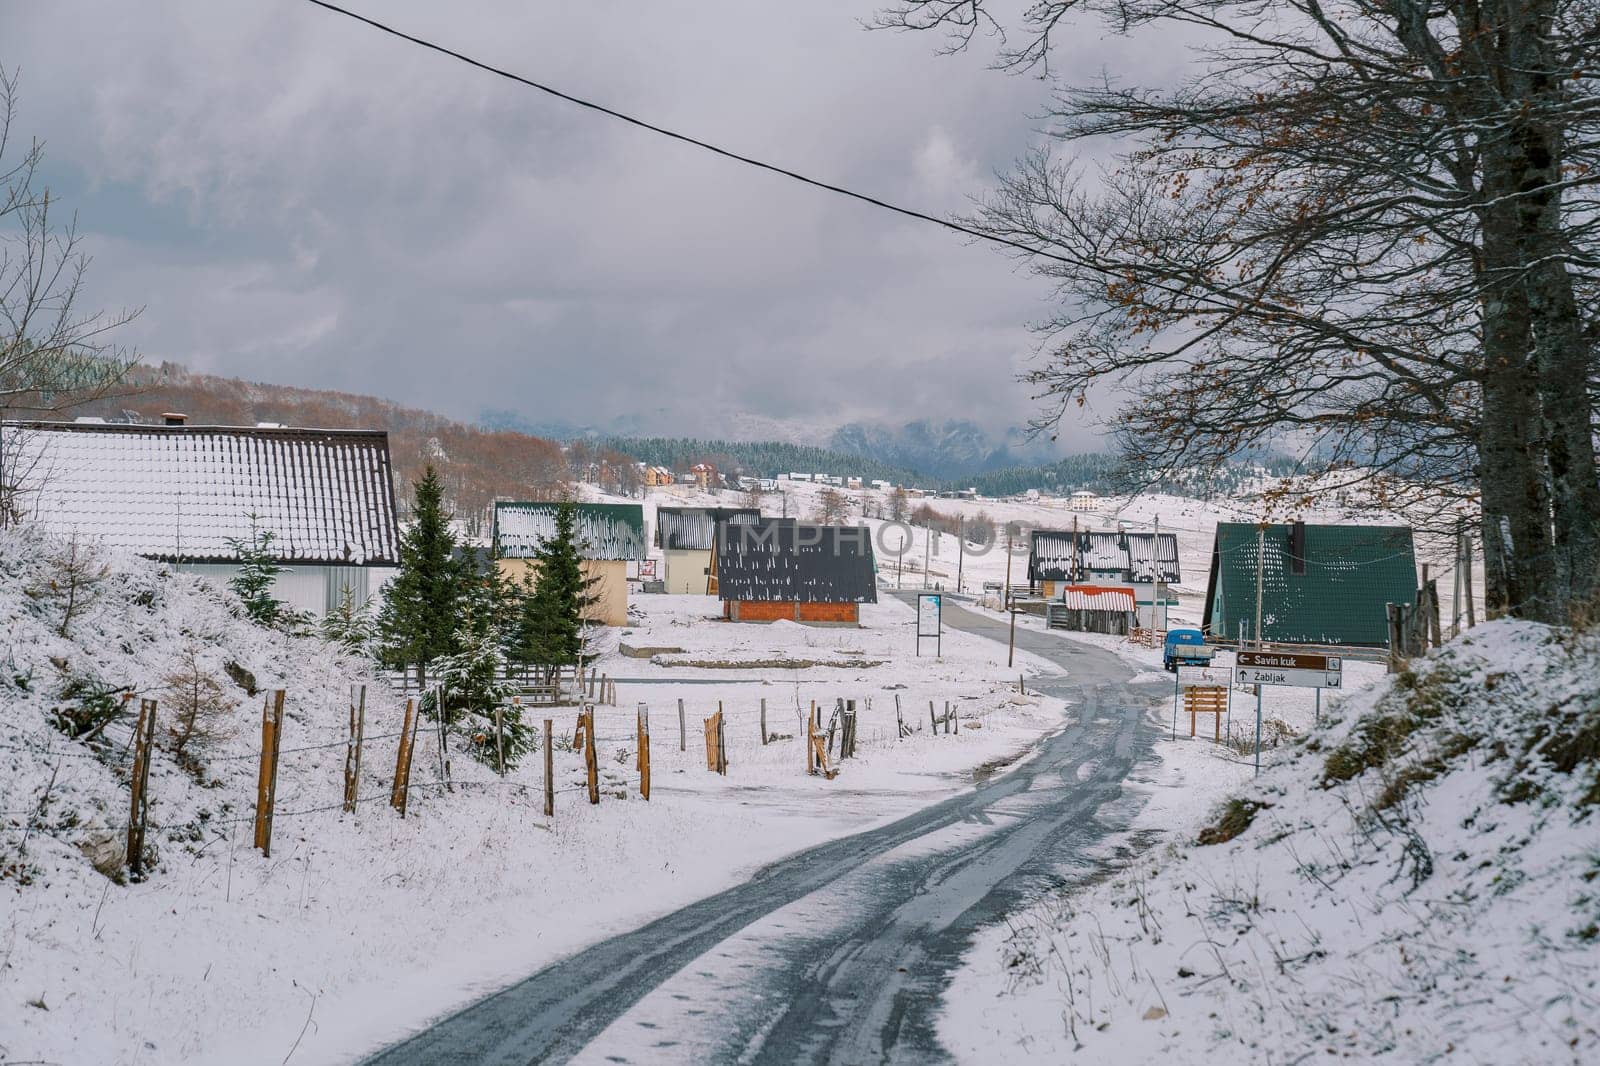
313	589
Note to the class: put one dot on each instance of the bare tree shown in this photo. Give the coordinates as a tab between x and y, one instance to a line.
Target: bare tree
1368	231
753	496
833	507
53	354
898	504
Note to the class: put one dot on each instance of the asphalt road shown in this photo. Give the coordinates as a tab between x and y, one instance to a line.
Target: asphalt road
836	954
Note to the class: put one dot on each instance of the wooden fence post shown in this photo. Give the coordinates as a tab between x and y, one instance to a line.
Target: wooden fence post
267	779
811	739
933	721
899	720
955	720
591	759
549	772
683	740
352	749
144	735
763	721
644	751
499	739
400	791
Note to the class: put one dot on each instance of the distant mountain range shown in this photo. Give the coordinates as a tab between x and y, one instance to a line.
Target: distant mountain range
926	450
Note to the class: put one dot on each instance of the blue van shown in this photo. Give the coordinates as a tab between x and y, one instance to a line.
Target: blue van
1186	646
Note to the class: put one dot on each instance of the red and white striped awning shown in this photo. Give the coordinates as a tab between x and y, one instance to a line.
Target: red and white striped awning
1116	600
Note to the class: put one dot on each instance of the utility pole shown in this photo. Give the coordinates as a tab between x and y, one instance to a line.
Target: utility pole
1261	542
927	538
961	550
1072	564
1466	575
1011	648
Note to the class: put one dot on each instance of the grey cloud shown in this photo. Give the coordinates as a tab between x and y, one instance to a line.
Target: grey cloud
321	205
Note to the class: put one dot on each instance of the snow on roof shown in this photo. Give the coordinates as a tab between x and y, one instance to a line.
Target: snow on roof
783	561
694	528
605	531
1153	556
181	493
1102	551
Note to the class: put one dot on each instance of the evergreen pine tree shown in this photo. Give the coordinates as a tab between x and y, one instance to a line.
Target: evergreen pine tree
258	571
347	625
475	681
551	615
422	605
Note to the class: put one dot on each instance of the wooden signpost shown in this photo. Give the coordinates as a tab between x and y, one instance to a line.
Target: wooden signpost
1292	669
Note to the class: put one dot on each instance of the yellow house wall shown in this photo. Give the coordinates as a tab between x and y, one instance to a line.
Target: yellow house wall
611	588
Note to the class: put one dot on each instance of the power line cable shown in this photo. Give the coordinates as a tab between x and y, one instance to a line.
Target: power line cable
759	164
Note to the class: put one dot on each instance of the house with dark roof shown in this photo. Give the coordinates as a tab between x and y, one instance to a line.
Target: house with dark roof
777	568
1320	584
1146	564
610	535
686	537
188	495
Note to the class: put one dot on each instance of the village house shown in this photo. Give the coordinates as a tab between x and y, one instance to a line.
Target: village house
191	496
1083	500
609	536
778	568
1319	584
686	537
1145	565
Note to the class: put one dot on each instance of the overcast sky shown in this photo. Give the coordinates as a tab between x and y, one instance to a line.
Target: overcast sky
295	198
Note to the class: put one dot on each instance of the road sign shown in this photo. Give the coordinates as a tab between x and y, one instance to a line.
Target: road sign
1193	676
1263	675
930	621
1282	660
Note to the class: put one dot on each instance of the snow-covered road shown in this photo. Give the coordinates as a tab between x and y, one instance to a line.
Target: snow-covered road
838	953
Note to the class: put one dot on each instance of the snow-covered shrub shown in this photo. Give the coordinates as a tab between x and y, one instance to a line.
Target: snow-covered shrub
200	711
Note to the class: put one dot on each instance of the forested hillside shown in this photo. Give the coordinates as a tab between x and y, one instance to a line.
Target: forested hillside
760	458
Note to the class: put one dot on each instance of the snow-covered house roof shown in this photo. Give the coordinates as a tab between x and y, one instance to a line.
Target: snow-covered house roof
784	561
694	528
1153	556
182	493
1102	551
605	531
1130	556
1050	555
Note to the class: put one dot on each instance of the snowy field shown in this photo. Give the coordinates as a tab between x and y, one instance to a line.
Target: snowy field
360	919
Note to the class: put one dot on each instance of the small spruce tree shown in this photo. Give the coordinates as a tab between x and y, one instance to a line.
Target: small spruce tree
348	625
422	606
258	571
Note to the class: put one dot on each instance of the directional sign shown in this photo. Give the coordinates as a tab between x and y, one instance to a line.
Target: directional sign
1263	675
1203	676
1281	660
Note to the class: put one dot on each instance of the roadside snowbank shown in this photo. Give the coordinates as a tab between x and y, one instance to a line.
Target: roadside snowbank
1415	881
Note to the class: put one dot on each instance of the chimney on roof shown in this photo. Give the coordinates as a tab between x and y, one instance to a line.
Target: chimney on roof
174	418
1297	548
